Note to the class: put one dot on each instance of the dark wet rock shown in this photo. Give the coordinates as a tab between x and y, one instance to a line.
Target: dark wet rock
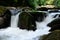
39	16
27	20
54	10
57	15
5	18
55	35
42	9
55	24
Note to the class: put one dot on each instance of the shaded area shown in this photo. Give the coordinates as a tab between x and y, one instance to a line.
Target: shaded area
31	3
27	20
55	35
55	24
14	3
5	17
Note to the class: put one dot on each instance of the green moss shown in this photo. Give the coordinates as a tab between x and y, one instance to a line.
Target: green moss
2	10
55	35
24	19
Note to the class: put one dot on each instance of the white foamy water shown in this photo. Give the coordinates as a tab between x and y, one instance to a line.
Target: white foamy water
14	20
14	33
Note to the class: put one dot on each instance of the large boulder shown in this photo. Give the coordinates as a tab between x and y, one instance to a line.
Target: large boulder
39	16
5	17
55	24
27	20
55	35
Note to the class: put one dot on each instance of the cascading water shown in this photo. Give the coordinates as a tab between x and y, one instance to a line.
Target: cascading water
14	20
14	17
14	33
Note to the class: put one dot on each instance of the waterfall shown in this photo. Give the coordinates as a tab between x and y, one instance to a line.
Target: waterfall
14	33
14	20
15	16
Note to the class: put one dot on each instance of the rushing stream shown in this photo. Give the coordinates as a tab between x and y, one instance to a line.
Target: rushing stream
14	33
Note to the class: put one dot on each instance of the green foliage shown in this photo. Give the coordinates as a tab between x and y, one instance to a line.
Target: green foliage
57	3
55	35
50	2
45	2
33	3
16	1
41	2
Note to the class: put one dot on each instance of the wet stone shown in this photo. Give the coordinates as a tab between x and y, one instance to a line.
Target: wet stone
27	20
55	35
5	18
55	24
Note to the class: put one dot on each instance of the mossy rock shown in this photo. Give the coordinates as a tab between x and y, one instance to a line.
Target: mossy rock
2	10
5	17
27	20
55	35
